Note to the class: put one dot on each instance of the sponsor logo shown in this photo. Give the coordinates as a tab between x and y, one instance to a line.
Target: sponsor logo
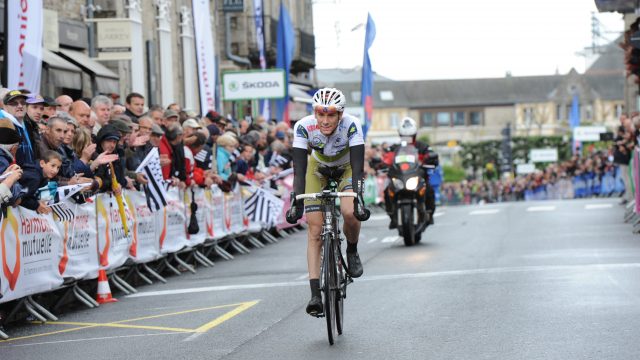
301	132
11	275
352	131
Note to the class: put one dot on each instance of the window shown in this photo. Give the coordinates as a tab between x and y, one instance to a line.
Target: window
528	115
427	119
444	119
589	111
386	95
356	96
558	110
458	118
619	109
394	120
475	118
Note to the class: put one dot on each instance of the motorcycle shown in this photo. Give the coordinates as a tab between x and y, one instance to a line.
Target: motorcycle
408	191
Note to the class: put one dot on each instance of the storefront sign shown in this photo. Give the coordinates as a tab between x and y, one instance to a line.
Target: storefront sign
233	5
114	39
73	34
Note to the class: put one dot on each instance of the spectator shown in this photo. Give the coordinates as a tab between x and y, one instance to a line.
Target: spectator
169	117
80	111
101	106
135	106
107	143
156	113
227	143
9	138
64	103
35	107
49	165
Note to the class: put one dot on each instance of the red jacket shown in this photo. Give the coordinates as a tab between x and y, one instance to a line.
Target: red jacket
165	149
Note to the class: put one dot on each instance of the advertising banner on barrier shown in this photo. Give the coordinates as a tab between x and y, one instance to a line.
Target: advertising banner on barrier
215	223
200	214
144	244
113	243
79	246
171	222
235	220
30	250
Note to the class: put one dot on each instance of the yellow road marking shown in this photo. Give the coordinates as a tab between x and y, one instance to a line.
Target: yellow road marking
123	326
239	308
243	306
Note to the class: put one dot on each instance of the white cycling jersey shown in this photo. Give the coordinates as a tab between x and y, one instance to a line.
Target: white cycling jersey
330	150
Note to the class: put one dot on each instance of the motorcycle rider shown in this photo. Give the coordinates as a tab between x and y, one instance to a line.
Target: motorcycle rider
408	131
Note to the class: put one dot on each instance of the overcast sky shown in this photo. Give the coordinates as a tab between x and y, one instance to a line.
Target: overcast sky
447	39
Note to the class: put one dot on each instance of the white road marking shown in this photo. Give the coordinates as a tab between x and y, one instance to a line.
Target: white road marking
438	214
597	206
303	277
193	336
452	273
379	217
390	239
485	212
94	339
372	240
541	208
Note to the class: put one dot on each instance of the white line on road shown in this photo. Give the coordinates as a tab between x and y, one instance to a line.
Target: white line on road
372	240
379	217
390	239
438	214
541	208
484	212
597	206
194	336
94	339
303	277
482	271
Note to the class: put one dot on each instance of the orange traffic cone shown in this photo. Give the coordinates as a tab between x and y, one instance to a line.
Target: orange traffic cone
104	292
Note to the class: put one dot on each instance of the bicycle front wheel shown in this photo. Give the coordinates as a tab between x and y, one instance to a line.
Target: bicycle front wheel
330	286
341	287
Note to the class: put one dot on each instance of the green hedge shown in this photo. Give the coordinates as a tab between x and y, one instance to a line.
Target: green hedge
453	173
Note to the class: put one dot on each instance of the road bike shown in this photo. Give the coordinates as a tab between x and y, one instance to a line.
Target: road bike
334	273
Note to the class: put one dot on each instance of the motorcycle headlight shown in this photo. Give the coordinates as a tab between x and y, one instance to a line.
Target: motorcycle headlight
412	183
398	184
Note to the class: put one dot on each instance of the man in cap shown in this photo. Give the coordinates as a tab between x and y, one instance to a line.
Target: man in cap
189	128
35	107
27	154
9	139
50	107
156	137
169	117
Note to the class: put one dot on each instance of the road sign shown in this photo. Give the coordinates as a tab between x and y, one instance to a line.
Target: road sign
543	155
257	84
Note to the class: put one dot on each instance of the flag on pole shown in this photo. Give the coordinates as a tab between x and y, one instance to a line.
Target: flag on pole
263	207
155	190
257	6
367	76
284	56
23	49
574	119
62	211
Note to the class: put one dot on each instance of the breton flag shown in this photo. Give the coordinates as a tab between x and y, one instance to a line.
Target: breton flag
62	211
263	207
65	192
155	189
367	76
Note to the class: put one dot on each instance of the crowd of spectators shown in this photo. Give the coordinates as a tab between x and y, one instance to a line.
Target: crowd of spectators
46	143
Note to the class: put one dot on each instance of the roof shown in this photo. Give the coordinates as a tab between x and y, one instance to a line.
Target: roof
339	76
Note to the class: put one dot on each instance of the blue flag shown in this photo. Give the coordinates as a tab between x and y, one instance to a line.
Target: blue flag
574	120
284	55
367	76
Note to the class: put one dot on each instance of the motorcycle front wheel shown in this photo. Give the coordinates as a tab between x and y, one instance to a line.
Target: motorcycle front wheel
408	229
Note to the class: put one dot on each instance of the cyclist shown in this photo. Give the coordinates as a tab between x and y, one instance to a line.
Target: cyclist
408	131
335	140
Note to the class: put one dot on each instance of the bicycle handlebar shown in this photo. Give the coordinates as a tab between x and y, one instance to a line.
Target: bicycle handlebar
321	195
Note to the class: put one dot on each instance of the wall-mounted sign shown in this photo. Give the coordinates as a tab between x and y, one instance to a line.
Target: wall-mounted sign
258	84
588	133
233	6
114	39
543	155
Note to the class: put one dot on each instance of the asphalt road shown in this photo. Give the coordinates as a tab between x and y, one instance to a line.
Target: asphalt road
540	280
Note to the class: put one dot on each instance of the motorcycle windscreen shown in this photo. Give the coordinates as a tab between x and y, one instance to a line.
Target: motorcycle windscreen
406	158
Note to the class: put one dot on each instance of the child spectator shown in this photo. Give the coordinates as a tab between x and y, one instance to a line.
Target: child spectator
35	199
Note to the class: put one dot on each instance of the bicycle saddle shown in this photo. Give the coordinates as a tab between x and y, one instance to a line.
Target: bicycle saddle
331	172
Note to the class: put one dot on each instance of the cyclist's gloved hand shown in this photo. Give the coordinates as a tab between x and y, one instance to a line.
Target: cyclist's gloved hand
296	210
359	210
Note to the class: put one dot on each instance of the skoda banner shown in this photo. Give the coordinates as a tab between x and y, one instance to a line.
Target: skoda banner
257	84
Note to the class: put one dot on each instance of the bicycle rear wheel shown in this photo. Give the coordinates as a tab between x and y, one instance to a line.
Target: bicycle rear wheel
329	287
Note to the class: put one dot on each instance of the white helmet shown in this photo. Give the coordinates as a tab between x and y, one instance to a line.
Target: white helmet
327	98
408	127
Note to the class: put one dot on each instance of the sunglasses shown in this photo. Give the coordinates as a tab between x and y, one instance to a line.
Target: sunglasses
17	102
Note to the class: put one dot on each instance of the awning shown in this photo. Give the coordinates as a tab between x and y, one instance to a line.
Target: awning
61	72
622	6
297	93
106	80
